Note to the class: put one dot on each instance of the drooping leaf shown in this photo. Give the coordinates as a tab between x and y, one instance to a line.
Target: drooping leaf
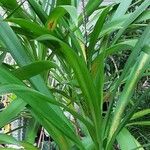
22	57
59	12
33	27
35	100
85	82
7	77
33	69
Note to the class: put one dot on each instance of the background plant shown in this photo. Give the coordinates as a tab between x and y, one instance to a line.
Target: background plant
65	62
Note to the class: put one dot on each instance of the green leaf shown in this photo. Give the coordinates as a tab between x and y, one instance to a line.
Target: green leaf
7	139
126	141
28	25
143	40
111	27
140	114
7	77
130	113
90	7
126	45
122	8
59	12
89	145
38	10
139	123
21	56
64	2
12	110
35	100
58	137
31	130
96	31
33	69
28	146
12	43
13	8
2	56
72	12
132	18
85	82
120	23
125	96
10	5
144	16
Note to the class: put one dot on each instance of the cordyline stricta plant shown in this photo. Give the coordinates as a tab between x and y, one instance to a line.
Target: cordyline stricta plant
60	69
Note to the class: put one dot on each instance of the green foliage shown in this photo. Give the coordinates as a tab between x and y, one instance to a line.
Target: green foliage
61	67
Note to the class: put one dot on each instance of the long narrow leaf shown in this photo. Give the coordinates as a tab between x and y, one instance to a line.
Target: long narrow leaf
140	66
133	17
85	82
33	69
